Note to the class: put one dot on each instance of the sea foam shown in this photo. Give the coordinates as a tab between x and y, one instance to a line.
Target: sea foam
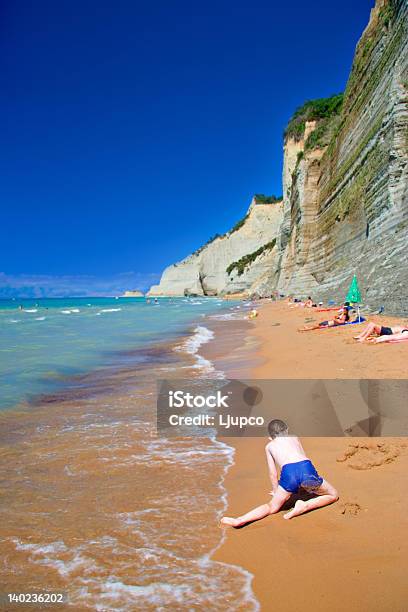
201	336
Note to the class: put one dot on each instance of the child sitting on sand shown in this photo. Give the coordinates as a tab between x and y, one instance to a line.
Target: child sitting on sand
379	333
297	472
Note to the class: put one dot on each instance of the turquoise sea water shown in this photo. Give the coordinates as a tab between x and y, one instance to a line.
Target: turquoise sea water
92	493
49	340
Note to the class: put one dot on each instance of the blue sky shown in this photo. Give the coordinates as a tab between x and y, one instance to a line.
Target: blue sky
133	131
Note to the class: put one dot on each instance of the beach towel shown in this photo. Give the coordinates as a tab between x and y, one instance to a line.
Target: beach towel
362	319
327	309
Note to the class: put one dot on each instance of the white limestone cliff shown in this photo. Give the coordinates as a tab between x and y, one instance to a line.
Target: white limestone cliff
345	193
205	272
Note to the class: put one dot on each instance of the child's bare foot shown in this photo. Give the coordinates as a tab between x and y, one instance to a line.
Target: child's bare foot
299	508
227	521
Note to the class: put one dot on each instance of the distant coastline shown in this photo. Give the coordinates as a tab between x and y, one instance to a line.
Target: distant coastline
132	293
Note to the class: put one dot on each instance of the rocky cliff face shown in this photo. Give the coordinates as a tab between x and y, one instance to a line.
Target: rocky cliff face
348	202
205	272
345	191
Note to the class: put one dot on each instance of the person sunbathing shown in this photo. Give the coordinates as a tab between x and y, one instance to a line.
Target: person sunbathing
399	337
342	318
379	333
295	302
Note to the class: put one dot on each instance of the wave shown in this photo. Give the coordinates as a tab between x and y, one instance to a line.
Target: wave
171	576
201	336
108	310
55	554
176	569
176	581
227	316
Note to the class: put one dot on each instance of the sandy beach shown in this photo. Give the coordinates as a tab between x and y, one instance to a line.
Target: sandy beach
352	554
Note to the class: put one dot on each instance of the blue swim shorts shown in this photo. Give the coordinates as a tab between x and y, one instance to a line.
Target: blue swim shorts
301	474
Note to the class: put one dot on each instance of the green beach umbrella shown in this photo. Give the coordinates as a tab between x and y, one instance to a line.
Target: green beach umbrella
353	296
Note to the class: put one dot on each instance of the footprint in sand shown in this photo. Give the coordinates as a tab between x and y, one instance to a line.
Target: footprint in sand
367	455
350	509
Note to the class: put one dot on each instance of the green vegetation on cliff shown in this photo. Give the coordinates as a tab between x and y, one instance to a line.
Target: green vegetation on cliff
260	198
379	37
209	241
246	260
239	224
320	110
321	135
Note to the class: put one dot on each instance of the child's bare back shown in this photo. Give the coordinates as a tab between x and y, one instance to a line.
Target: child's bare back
286	449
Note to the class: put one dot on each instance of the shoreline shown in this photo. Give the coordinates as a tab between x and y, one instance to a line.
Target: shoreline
225	344
354	542
92	490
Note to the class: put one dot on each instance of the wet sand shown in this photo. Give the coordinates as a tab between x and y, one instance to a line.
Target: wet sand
96	505
351	555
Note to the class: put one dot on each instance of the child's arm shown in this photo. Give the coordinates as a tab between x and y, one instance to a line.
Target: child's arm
273	475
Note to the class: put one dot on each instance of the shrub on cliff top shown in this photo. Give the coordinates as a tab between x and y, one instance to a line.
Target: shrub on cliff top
239	224
321	136
209	241
312	110
260	198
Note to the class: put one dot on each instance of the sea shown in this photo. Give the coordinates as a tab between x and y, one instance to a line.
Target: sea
95	505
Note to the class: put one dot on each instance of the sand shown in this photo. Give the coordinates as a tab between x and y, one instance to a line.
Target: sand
351	555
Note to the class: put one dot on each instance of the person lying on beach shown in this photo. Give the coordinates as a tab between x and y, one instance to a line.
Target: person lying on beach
378	333
297	473
340	319
296	303
309	303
